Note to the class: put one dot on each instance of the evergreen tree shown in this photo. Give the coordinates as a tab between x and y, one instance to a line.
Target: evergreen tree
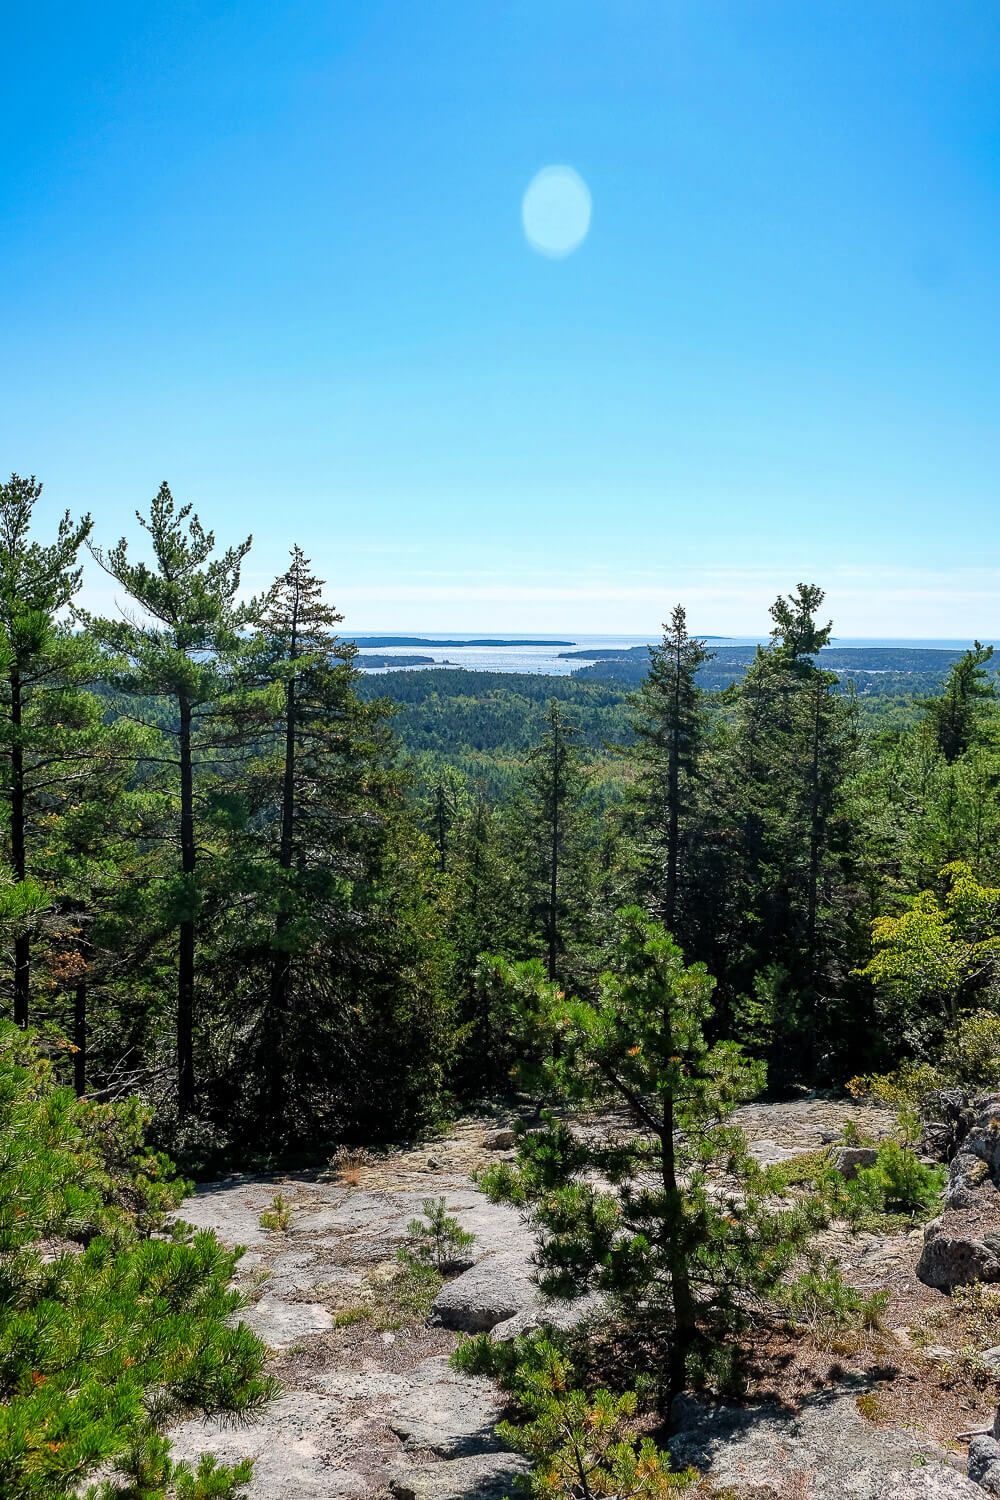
669	725
127	1326
784	840
553	847
954	718
333	787
678	1251
337	963
38	657
481	920
184	648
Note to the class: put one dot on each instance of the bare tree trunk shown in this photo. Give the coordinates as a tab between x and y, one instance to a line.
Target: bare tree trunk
554	856
673	810
80	1036
186	931
281	961
22	939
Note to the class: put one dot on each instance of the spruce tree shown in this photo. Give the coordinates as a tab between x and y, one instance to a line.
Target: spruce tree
669	727
781	828
552	839
954	717
336	959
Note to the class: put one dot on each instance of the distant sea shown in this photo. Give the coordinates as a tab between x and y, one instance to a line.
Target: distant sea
519	657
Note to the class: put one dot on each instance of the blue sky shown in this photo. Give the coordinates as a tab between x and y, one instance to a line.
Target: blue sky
273	253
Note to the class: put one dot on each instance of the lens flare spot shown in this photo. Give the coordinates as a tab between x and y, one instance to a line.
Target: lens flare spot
555	211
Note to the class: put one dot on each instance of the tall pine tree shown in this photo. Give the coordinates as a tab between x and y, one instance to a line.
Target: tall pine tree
181	652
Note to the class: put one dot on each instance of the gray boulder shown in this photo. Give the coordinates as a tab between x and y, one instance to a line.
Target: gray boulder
493	1290
446	1413
953	1256
983	1140
966	1176
929	1482
849	1160
984	1463
488	1476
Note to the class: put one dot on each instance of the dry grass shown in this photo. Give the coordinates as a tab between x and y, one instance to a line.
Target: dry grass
348	1163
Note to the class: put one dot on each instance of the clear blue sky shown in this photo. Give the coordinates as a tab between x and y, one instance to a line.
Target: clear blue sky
273	253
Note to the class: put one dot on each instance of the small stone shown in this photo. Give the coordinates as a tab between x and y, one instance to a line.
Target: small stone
849	1160
281	1323
433	1165
544	1313
940	1353
388	1338
500	1140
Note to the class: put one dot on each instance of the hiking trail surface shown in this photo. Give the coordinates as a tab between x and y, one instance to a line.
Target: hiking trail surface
369	1405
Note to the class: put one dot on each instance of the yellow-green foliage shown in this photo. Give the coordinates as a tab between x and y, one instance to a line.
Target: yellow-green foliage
583	1443
937	954
969	1056
278	1216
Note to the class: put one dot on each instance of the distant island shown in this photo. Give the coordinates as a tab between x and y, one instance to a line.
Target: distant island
364	641
368	663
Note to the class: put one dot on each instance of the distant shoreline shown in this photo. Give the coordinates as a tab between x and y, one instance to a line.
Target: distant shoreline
371	642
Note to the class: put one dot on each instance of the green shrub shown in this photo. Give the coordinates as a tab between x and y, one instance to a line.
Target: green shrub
278	1215
437	1239
821	1299
897	1183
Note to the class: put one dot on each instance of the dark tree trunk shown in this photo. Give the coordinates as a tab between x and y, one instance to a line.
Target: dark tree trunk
814	839
22	940
80	1036
281	960
685	1321
186	931
553	923
673	810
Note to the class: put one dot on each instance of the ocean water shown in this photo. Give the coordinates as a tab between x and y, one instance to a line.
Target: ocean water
513	658
518	657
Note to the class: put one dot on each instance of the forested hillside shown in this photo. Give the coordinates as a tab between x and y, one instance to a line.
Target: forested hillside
225	840
290	908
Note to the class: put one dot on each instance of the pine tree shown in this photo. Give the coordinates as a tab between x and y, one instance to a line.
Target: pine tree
183	648
677	1249
481	920
781	822
127	1327
348	1014
333	785
44	722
